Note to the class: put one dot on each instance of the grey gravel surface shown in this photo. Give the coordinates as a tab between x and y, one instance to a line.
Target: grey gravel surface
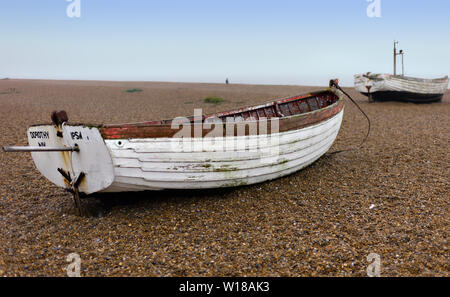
390	197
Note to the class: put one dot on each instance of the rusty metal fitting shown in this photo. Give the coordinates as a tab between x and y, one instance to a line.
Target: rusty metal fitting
59	117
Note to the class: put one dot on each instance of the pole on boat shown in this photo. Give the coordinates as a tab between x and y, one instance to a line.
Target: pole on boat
395	57
74	184
36	149
403	63
402	53
58	118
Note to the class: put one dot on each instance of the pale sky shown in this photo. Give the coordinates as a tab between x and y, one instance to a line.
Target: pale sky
248	41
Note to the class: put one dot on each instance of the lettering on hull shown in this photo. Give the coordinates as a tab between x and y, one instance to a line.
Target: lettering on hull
39	135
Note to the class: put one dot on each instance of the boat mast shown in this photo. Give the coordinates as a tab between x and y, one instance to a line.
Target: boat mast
395	57
402	53
403	64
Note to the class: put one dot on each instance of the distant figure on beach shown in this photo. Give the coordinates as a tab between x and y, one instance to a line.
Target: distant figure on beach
227	81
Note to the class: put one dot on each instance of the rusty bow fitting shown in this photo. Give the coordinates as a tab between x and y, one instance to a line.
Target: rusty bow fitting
59	117
334	83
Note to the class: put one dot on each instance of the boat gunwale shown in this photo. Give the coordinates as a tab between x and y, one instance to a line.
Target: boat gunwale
384	76
244	109
286	123
291	122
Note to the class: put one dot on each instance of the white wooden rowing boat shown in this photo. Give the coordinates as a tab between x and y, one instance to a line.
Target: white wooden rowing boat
266	142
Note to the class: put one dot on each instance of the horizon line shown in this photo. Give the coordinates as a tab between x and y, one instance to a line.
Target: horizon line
167	81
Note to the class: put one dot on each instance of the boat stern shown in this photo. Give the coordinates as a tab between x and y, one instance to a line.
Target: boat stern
72	156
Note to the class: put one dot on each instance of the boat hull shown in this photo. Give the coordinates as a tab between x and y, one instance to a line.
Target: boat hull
404	97
167	163
228	149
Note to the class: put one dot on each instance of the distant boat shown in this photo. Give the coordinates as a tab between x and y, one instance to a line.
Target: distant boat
388	87
152	156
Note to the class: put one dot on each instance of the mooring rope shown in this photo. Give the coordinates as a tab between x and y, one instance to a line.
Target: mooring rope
334	83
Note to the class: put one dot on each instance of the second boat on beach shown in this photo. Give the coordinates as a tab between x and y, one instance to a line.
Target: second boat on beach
388	87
